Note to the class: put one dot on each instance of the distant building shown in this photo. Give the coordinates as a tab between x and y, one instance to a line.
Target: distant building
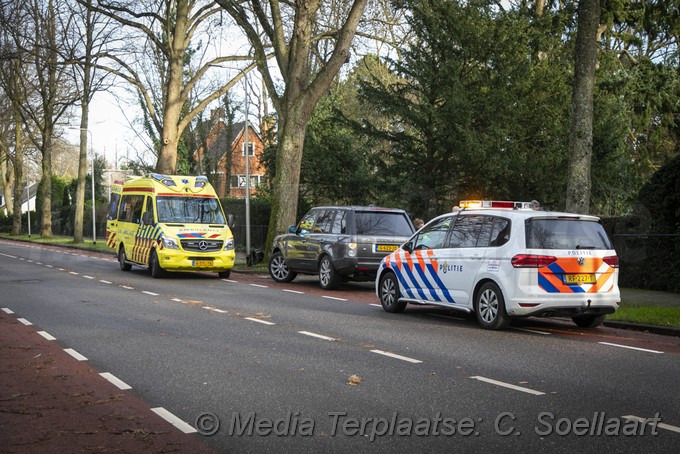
27	199
224	162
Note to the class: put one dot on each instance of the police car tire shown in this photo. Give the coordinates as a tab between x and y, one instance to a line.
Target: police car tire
388	290
328	277
122	260
154	266
279	270
588	321
490	307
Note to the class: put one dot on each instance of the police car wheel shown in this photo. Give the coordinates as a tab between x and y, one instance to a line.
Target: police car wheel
328	277
388	290
154	266
490	307
122	260
588	321
278	268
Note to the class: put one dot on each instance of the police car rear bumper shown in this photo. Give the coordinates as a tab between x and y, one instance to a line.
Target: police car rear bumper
597	304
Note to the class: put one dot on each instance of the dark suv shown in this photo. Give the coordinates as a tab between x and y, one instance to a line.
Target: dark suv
339	243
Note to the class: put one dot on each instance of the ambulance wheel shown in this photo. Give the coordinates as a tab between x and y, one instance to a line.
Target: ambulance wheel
122	260
328	277
388	291
278	268
588	321
224	274
490	307
154	266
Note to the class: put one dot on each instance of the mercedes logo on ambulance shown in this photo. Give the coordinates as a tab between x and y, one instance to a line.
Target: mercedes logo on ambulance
203	245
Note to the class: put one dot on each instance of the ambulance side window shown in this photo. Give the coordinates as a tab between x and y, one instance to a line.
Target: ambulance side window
113	206
131	208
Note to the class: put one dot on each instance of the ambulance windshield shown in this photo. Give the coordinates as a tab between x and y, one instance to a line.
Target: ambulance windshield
189	210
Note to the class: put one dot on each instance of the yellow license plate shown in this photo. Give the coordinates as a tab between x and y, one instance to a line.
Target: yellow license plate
386	247
579	278
203	263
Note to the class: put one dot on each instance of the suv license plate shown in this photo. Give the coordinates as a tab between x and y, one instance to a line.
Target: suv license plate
579	278
386	247
202	263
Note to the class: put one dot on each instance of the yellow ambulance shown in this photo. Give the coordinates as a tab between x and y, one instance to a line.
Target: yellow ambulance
170	223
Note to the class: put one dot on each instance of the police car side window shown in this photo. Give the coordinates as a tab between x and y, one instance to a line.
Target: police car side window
466	231
433	236
307	222
500	233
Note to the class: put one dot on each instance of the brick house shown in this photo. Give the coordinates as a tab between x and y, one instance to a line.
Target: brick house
215	161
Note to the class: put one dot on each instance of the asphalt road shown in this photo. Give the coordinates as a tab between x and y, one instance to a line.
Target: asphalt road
289	368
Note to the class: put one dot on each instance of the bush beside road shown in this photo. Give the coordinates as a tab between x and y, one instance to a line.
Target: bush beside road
646	308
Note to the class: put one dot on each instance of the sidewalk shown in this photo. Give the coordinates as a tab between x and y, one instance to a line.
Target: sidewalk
50	402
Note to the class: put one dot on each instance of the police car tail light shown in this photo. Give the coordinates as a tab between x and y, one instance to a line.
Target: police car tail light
612	261
532	260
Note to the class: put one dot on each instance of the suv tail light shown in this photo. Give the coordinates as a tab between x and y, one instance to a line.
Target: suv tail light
532	260
612	260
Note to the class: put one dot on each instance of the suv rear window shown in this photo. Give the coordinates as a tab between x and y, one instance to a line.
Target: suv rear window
382	223
565	234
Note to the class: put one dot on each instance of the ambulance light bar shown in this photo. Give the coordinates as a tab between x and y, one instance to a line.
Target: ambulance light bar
471	204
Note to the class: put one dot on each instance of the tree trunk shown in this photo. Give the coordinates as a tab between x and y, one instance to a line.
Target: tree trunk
46	185
581	128
8	182
82	173
18	163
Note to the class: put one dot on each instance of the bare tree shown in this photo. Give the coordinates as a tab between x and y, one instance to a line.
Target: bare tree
581	129
160	73
296	32
90	35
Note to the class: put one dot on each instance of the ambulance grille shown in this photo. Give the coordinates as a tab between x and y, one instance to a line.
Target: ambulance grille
199	245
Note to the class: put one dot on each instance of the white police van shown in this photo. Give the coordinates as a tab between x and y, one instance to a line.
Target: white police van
506	259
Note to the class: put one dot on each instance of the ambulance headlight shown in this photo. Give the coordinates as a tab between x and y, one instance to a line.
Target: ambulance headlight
169	243
229	244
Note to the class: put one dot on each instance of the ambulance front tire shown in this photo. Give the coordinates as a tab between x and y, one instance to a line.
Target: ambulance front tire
224	274
154	266
122	260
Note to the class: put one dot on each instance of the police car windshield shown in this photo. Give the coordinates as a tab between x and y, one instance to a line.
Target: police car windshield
189	210
565	234
382	223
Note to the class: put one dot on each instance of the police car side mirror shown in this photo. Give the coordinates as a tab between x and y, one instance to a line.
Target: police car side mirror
291	229
231	220
408	246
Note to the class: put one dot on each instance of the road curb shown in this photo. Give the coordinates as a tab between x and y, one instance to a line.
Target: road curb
665	331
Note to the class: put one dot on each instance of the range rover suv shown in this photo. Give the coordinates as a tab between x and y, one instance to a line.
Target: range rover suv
339	243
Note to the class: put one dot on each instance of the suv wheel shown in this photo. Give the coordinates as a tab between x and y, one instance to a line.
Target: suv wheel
328	277
278	268
588	321
490	307
388	290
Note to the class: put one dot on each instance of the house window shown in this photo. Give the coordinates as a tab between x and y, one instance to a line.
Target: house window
251	149
239	181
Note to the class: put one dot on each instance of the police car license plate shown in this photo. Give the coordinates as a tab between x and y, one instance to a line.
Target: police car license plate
202	263
579	278
385	247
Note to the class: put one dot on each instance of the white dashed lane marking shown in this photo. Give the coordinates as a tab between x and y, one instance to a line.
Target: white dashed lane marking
174	420
297	292
509	386
318	336
120	384
333	298
7	310
146	292
47	335
75	354
24	321
395	356
257	320
629	347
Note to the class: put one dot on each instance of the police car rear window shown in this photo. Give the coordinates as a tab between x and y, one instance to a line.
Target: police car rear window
382	223
565	234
